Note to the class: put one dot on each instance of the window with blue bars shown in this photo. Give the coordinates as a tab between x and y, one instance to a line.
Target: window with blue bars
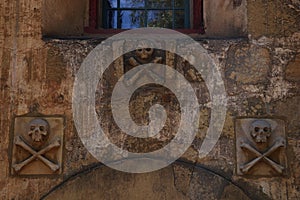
128	14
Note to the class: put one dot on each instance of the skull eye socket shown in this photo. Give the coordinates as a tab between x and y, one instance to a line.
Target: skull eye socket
139	50
42	128
32	128
266	129
148	49
256	129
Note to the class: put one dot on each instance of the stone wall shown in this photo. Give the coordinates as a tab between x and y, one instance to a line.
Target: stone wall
261	75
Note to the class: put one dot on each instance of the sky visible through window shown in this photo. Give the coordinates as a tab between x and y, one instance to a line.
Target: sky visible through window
128	14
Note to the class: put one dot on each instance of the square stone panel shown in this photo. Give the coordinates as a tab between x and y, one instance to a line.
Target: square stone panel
37	145
260	147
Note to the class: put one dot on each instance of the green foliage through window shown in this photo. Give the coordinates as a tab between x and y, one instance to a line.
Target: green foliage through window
127	14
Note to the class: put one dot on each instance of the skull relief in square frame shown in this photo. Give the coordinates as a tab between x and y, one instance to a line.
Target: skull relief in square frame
37	145
260	147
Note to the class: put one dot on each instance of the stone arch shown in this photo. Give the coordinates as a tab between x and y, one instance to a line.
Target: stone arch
181	180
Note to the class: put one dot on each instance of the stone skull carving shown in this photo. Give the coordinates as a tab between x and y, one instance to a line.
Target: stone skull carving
144	53
38	130
260	131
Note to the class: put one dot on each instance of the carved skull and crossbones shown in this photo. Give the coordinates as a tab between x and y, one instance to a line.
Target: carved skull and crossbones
144	55
38	132
260	131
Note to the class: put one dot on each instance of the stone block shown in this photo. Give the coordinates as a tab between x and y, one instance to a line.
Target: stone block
248	64
37	145
292	71
260	147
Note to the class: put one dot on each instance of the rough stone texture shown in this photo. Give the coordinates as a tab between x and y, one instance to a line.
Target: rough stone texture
39	74
247	64
273	17
292	71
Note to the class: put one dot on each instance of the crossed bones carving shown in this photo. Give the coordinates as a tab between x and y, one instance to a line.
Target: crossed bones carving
36	154
262	156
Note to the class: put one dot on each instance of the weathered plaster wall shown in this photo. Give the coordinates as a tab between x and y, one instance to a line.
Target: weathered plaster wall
261	76
23	57
226	18
62	18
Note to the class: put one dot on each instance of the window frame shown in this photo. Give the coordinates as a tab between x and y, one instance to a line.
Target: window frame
144	11
197	22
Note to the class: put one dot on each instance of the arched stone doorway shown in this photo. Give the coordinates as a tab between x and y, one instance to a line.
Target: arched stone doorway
180	181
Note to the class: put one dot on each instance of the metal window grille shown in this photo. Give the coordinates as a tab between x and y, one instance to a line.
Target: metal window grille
127	14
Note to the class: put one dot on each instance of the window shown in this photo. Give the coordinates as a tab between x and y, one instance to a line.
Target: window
126	14
109	16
